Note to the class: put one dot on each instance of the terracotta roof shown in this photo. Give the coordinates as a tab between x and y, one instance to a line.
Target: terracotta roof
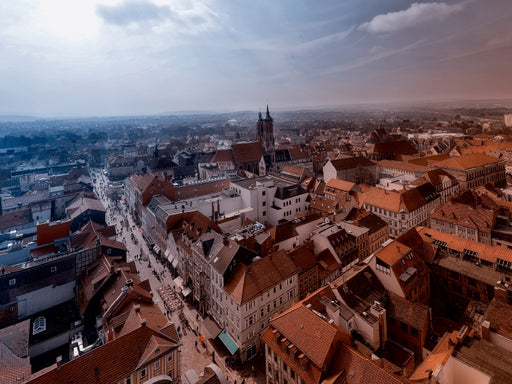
13	367
371	221
312	335
499	314
294	170
399	147
15	338
342	185
427	160
248	282
83	205
222	156
440	355
247	152
327	261
414	314
303	258
392	253
15	218
282	231
478	218
325	345
351	162
396	201
467	161
435	177
485	252
360	288
108	363
402	165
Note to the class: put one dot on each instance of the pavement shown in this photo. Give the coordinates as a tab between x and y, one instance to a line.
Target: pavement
194	355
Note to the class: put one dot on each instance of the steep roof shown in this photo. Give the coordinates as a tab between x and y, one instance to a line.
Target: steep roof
409	312
247	152
396	201
435	177
479	218
110	362
341	185
247	282
398	147
351	162
303	258
222	156
310	334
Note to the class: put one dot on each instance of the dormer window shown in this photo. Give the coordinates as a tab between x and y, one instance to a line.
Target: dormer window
39	325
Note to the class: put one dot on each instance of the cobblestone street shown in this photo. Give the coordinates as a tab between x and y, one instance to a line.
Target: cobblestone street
194	355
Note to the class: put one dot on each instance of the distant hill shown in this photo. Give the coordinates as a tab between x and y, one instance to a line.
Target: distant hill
16	118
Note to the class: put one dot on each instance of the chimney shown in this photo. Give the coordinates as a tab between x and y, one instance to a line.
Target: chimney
486	330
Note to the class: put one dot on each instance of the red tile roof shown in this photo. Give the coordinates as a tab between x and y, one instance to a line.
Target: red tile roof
247	152
110	362
247	282
351	162
467	161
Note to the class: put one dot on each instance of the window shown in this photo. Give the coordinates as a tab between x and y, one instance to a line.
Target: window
53	269
169	357
143	373
39	325
403	327
12	282
157	365
414	332
128	380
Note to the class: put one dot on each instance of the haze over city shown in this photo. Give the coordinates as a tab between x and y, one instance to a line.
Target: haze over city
100	58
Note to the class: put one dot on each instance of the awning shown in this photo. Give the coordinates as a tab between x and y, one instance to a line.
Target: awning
211	328
178	281
185	291
228	342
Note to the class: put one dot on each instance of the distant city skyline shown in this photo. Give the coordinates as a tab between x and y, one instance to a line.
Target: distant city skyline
104	58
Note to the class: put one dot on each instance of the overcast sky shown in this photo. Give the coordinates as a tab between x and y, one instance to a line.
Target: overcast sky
94	57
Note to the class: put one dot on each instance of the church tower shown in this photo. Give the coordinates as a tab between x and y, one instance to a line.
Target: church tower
265	135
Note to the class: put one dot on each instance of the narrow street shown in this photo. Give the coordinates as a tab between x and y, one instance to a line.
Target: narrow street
194	355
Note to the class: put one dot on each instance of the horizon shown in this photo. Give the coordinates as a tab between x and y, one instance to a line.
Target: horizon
107	58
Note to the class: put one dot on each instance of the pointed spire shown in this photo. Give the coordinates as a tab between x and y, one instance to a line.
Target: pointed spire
268	114
259	116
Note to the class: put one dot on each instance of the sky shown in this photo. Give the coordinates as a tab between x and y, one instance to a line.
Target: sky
132	57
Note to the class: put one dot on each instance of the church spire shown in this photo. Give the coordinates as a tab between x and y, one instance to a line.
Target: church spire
268	117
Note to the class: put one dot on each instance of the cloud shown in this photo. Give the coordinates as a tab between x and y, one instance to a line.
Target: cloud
133	12
417	13
324	40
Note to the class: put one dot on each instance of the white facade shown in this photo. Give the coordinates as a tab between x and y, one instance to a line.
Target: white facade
272	199
246	322
508	119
